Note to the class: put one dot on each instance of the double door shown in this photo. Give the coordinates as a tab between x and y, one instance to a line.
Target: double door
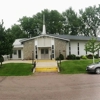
44	53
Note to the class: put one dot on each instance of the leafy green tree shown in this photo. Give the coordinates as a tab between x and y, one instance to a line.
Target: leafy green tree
72	22
5	43
55	22
92	46
90	19
17	32
32	25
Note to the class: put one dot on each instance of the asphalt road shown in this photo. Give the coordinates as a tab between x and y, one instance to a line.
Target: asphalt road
50	86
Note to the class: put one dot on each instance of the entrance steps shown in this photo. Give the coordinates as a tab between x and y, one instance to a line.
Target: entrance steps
46	66
49	69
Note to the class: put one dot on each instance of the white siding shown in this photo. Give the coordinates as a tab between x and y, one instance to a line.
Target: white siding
35	41
15	56
44	42
22	56
74	47
39	54
52	41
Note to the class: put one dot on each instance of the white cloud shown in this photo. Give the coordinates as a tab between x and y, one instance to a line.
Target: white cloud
12	10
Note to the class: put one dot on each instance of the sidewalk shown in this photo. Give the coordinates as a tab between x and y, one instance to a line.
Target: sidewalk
17	61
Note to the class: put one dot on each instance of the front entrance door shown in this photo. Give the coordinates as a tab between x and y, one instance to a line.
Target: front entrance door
19	53
45	53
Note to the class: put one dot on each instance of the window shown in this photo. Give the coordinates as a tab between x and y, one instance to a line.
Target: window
52	51
78	48
14	52
52	46
52	55
69	48
36	51
42	51
46	51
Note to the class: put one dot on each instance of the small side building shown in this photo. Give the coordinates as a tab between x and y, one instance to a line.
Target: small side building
17	49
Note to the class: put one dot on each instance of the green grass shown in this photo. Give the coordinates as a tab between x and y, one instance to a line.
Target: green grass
16	69
74	66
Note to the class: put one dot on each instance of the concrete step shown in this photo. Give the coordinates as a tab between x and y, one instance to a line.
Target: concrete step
46	69
45	60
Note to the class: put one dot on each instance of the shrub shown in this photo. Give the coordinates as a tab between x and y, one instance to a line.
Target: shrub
90	56
61	57
77	57
96	56
71	57
83	57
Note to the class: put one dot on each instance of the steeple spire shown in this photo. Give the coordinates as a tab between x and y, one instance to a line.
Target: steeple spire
44	28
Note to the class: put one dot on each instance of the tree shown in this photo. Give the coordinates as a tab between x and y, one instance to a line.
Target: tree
26	23
92	46
72	22
56	22
5	43
17	32
90	19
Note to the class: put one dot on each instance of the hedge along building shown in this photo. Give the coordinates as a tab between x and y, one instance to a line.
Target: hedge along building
45	45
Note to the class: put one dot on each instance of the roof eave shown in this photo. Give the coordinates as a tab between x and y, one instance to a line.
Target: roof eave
44	35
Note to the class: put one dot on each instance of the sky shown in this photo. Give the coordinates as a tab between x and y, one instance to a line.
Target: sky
12	10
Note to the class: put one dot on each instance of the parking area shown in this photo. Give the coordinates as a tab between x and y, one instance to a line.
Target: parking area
50	86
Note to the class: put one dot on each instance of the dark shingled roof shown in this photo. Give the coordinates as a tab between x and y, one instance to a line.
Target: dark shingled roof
65	37
73	37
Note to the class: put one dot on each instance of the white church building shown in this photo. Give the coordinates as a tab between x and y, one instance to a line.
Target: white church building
46	45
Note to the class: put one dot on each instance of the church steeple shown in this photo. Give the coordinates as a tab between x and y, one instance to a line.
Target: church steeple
44	28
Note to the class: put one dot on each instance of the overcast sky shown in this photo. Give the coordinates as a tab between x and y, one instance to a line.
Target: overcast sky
12	10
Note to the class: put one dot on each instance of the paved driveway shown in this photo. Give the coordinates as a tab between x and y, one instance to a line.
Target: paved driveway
50	86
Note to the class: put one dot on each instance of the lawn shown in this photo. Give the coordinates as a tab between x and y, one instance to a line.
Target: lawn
16	69
74	66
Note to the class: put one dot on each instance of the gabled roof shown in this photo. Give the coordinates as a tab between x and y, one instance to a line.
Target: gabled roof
17	43
48	35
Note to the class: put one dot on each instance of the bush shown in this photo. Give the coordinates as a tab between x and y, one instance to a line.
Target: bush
61	57
83	57
71	57
96	56
90	56
77	57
